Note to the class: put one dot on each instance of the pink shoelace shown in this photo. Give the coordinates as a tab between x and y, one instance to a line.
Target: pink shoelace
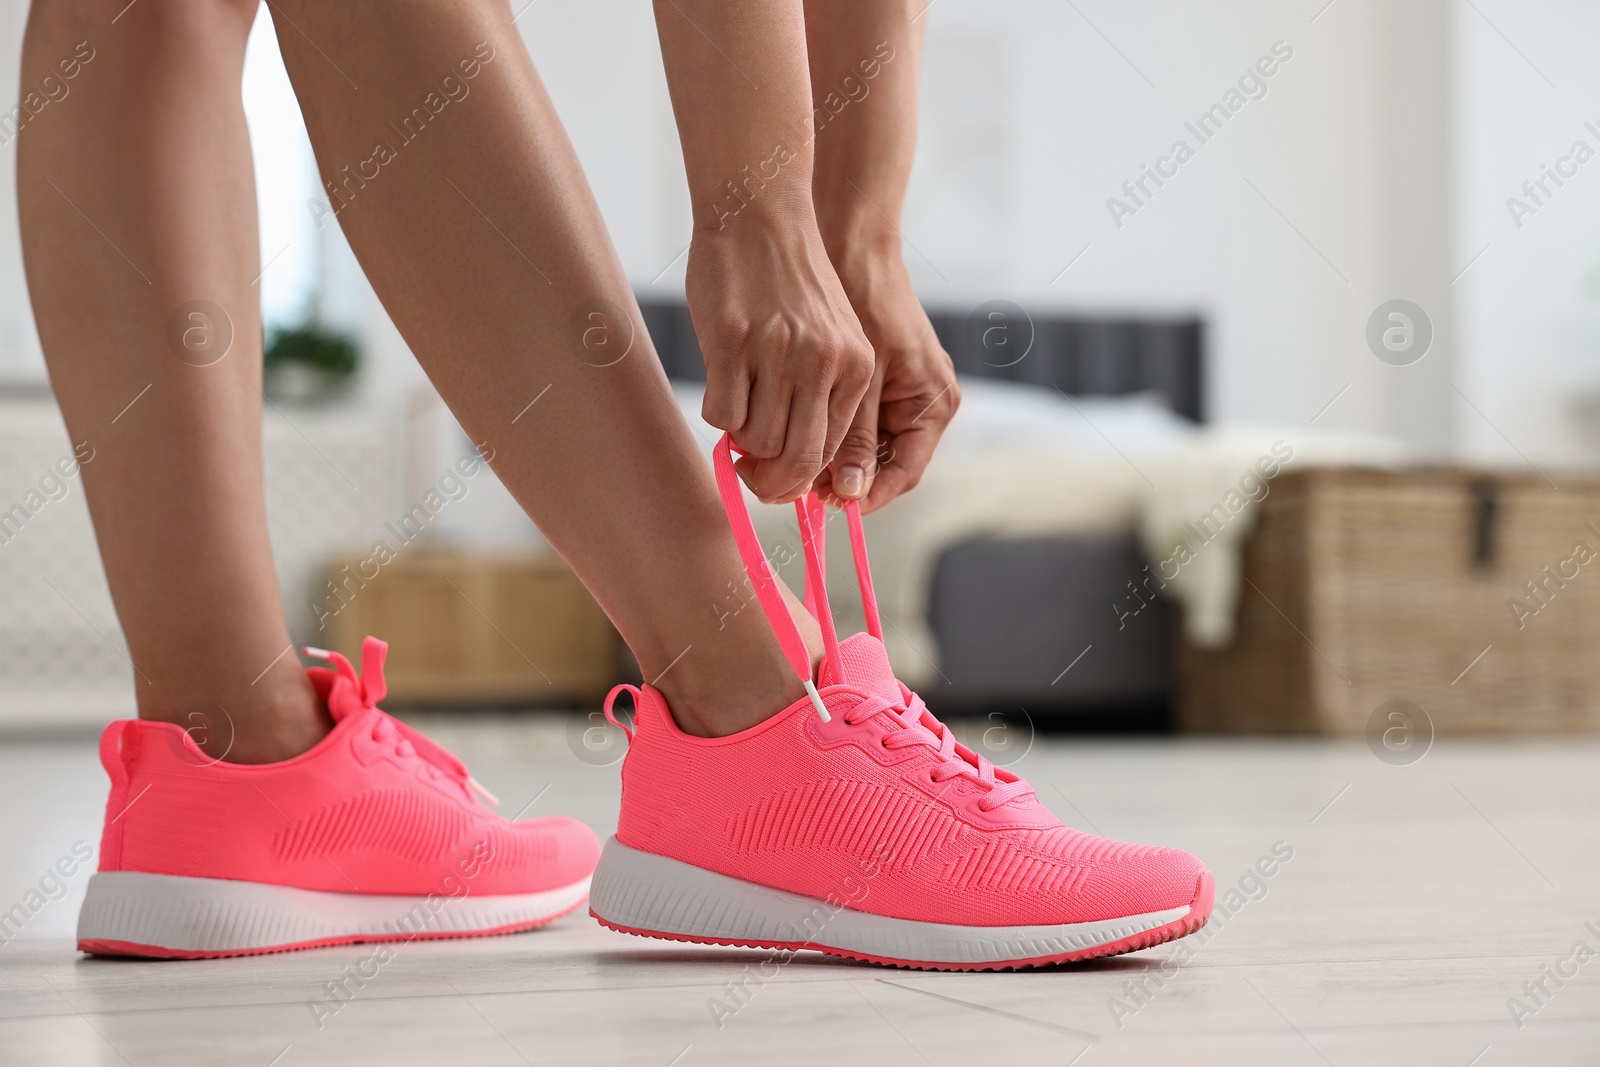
438	762
919	726
405	741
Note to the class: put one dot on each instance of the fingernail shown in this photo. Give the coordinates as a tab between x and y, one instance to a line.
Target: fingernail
851	481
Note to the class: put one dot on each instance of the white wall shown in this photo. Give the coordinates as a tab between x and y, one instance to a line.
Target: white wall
1088	99
19	343
1389	142
1530	308
1032	118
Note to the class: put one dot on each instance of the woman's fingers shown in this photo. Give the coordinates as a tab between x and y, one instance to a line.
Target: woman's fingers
727	400
804	449
787	361
813	422
912	418
766	423
855	464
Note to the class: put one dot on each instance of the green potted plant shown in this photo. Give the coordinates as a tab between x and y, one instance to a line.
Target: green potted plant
309	363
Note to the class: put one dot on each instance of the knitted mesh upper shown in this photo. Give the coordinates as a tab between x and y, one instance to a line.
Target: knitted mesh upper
373	808
807	808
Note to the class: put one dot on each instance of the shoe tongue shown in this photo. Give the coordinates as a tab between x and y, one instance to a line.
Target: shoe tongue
863	662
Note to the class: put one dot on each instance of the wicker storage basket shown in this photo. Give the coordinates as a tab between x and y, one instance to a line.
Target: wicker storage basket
466	628
1363	587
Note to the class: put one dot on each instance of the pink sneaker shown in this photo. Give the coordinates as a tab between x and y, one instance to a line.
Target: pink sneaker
376	834
851	822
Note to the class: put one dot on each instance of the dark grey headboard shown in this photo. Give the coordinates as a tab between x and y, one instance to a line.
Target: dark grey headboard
1080	355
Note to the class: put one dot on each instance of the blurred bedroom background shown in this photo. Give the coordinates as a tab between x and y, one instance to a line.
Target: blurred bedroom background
1264	433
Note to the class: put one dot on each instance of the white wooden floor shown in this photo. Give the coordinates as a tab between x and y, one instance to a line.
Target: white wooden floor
1418	902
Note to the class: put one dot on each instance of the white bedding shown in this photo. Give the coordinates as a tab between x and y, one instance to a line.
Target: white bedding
1194	518
1022	461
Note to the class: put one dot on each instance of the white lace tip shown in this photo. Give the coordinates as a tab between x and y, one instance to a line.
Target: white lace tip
488	797
317	653
816	702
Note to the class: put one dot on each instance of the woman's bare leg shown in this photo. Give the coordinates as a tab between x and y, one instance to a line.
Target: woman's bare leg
466	206
137	196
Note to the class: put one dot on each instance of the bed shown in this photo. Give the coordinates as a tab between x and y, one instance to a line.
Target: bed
1008	578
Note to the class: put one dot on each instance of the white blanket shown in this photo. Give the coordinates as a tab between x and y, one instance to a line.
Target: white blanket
1202	502
1019	461
993	494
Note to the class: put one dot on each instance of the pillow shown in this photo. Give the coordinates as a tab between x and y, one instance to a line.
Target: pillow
1005	415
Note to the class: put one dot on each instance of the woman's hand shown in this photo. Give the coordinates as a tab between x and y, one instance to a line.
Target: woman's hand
913	394
787	363
865	57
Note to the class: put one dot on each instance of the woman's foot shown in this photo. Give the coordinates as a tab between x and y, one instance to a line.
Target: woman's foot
374	834
852	822
872	835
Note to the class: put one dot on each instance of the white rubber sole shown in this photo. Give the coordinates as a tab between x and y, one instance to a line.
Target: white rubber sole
642	893
129	913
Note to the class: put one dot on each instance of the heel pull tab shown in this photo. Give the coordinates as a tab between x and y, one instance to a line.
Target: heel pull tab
610	707
118	745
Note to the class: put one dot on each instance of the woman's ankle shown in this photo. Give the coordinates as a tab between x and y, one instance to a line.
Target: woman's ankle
281	721
717	707
740	682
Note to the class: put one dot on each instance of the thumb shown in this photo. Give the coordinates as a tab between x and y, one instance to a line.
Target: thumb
856	463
